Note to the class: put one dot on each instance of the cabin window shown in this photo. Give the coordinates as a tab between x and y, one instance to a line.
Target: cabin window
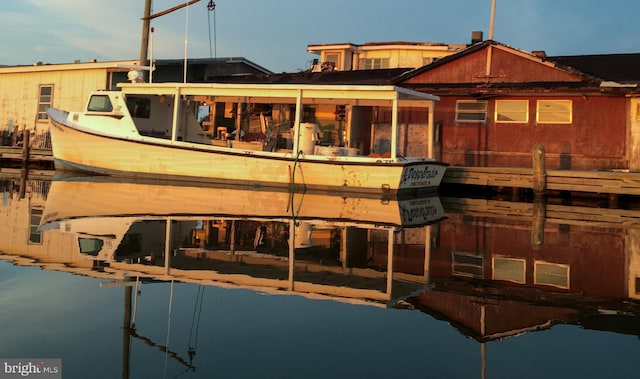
374	63
90	246
551	274
99	103
467	264
139	107
471	110
510	269
554	112
45	100
512	111
35	216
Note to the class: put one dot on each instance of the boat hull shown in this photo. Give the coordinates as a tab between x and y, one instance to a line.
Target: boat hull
76	149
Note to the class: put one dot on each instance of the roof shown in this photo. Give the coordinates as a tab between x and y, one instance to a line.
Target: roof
482	45
223	61
361	94
622	68
353	77
93	65
594	70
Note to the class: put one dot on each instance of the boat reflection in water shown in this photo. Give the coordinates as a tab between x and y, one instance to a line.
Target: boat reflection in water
272	241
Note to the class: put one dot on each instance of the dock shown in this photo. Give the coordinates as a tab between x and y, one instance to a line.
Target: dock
600	182
17	154
39	163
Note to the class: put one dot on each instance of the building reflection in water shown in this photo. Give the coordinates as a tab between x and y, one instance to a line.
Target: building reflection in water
492	269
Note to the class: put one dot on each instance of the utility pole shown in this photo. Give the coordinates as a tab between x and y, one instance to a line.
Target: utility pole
493	16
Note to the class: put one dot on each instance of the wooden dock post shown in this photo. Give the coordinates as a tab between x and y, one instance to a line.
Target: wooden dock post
539	171
25	163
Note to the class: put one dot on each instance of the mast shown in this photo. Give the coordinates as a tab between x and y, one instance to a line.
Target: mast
146	22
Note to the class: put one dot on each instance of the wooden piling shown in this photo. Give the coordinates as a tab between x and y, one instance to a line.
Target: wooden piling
25	163
539	171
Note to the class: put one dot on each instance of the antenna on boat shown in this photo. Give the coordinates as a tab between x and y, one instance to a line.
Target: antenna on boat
212	8
186	42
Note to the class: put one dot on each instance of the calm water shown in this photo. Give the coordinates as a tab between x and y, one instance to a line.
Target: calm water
484	298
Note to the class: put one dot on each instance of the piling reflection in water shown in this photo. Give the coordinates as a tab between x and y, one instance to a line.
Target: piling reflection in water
492	269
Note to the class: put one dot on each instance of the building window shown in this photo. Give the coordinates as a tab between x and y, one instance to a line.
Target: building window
467	264
551	274
512	111
333	58
45	100
509	269
427	60
374	63
35	216
471	111
554	112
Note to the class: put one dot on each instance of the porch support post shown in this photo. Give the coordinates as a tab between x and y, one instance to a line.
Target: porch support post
430	130
176	115
296	123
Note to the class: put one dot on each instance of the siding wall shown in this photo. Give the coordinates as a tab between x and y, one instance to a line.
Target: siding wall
596	139
19	94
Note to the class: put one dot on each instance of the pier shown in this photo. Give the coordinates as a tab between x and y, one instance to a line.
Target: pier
604	182
38	164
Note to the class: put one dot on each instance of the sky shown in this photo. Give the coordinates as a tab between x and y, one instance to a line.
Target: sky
275	34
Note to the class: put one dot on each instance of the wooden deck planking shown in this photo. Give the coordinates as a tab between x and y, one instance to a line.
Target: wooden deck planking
612	182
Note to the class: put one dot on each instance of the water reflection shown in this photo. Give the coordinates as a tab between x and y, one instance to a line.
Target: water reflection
303	242
490	269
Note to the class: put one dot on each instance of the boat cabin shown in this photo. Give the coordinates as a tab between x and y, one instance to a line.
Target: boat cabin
333	120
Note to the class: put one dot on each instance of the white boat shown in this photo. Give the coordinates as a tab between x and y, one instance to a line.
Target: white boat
323	137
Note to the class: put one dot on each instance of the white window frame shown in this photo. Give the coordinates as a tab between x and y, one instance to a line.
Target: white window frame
44	101
374	63
519	112
338	59
480	111
35	217
537	274
427	60
541	113
498	274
